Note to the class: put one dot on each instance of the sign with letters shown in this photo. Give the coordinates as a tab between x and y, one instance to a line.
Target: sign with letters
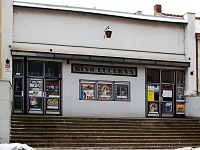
104	70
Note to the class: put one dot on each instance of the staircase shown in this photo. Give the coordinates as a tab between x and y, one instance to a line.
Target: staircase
135	133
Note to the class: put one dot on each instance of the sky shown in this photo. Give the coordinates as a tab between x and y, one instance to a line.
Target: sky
178	7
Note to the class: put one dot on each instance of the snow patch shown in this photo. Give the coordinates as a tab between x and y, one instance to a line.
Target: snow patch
15	146
188	148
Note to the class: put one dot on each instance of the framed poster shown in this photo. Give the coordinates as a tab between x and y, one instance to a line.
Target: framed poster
167	107
180	108
35	103
52	88
87	90
35	87
105	91
122	90
153	107
52	104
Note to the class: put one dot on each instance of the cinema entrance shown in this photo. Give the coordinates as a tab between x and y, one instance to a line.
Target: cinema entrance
36	86
165	93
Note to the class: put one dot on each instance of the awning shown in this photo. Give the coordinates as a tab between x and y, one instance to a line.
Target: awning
102	59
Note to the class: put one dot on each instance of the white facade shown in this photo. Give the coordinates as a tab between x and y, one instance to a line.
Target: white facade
5	81
79	33
5	111
73	35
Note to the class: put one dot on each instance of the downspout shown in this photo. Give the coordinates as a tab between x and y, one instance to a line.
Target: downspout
197	65
1	39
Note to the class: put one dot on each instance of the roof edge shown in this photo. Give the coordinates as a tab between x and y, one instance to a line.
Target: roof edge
100	12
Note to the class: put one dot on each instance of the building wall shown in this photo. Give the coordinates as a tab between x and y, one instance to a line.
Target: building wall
72	106
81	33
190	51
5	76
192	106
7	26
5	111
198	61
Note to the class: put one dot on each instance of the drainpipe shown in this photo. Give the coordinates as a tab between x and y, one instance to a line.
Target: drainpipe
1	39
197	65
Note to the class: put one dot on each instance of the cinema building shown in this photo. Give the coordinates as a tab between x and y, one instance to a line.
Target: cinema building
70	61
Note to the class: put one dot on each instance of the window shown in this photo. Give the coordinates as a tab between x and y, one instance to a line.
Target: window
167	76
153	75
104	90
35	68
18	67
52	69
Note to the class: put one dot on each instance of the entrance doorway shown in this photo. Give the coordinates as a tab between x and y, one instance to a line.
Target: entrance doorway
37	87
165	92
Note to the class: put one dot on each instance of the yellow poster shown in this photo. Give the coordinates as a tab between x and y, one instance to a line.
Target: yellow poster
180	108
150	95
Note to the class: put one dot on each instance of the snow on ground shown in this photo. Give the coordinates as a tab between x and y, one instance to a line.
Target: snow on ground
15	146
188	148
19	146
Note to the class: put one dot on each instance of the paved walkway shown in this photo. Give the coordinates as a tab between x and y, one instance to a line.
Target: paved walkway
97	149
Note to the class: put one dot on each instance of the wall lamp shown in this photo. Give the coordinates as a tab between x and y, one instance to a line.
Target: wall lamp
108	32
7	61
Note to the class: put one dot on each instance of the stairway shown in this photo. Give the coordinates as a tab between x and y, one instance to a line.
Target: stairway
135	133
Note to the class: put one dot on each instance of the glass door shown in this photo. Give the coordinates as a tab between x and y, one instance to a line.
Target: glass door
167	100
153	97
18	95
52	96
35	96
160	92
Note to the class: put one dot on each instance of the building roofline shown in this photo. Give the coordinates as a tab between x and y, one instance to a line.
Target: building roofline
100	12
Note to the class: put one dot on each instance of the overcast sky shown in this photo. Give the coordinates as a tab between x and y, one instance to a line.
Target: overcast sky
179	7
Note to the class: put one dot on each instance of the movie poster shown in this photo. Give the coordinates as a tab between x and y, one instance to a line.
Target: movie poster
87	90
35	103
180	93
150	93
105	91
35	87
153	107
121	90
52	104
180	108
52	88
167	108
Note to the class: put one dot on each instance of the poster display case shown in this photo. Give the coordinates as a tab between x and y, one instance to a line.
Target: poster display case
87	90
121	90
105	90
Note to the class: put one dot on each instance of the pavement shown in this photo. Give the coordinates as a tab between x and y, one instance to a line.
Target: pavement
97	149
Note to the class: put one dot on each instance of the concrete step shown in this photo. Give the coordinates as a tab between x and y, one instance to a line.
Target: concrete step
80	132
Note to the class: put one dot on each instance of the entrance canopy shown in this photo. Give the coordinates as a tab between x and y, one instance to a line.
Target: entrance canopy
104	59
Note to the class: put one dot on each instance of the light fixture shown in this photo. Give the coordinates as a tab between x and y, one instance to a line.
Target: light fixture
7	61
108	32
